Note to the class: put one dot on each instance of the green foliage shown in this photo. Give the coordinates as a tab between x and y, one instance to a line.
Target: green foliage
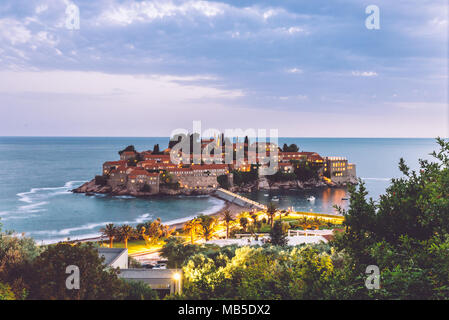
223	181
305	170
47	275
177	253
138	290
127	149
278	234
207	226
406	234
242	178
280	176
291	148
258	273
6	292
16	254
167	180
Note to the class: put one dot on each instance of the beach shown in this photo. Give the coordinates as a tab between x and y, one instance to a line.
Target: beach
232	207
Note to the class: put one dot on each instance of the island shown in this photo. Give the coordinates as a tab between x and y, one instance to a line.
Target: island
152	172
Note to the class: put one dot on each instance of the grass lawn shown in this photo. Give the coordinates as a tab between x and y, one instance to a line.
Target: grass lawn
136	246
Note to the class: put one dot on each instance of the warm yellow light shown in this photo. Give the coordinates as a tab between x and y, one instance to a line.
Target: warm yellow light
177	276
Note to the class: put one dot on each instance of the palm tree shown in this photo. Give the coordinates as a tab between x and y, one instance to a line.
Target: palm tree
192	227
109	231
283	213
126	232
271	211
243	223
227	218
208	226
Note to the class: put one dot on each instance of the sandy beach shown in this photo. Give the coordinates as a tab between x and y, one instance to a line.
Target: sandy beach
232	207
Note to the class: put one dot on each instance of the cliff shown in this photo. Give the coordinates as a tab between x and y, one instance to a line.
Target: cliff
90	188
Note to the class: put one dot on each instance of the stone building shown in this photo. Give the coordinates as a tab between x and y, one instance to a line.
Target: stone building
128	155
339	170
140	180
109	165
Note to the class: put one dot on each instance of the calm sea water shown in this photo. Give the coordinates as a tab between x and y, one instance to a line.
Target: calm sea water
36	175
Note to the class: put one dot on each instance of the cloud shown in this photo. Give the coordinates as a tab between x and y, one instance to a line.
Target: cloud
364	73
295	70
14	31
147	11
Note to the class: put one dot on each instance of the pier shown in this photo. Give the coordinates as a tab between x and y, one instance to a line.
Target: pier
238	199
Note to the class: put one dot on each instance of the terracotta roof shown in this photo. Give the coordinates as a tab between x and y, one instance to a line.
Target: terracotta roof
112	163
209	166
141	172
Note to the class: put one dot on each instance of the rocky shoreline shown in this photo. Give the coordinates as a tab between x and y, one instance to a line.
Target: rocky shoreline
91	188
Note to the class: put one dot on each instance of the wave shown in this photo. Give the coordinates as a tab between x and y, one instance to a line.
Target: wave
124	197
377	179
89	226
36	197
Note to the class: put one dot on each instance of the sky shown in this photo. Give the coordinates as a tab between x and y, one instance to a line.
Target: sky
145	68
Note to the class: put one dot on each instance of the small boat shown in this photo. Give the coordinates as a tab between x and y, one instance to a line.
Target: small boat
275	199
311	198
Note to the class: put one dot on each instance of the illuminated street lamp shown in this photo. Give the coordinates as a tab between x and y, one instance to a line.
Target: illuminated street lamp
177	277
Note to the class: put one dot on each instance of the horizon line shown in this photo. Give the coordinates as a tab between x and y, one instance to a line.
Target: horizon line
316	137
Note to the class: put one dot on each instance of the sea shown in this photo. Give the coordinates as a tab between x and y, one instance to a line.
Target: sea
37	174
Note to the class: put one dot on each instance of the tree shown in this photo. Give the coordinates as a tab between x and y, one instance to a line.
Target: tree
208	226
47	275
138	290
127	149
250	273
177	253
278	236
6	292
192	227
156	149
292	148
126	232
16	255
271	211
243	223
228	219
405	233
109	231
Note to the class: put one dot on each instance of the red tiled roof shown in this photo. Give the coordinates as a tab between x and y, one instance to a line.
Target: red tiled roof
141	172
113	163
210	166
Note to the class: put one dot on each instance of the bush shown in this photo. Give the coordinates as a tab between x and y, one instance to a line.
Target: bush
223	181
138	290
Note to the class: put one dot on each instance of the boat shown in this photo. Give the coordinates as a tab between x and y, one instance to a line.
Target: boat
275	199
311	198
